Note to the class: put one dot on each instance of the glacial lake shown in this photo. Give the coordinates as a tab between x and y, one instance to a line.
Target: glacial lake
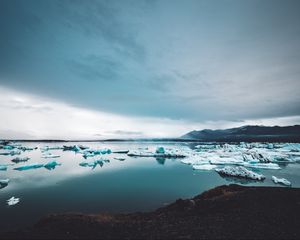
130	185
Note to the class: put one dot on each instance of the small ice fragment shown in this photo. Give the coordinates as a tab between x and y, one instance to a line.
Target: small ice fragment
120	159
13	201
241	172
281	181
3	183
18	159
29	166
204	167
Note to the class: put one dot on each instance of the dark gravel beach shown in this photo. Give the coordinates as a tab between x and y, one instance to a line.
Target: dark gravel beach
225	212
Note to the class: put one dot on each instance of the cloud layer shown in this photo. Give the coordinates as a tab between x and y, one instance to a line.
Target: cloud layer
192	60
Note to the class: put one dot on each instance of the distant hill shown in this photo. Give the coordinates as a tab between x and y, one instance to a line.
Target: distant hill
247	133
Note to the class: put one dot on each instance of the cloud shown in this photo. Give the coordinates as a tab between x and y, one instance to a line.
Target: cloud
192	60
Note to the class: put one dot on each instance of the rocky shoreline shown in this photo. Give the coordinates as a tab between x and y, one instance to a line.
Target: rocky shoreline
225	212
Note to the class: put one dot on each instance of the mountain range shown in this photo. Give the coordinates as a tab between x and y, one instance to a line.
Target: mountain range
247	133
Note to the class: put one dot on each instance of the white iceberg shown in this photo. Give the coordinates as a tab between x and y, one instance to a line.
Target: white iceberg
241	172
13	201
204	167
225	161
281	181
166	154
262	165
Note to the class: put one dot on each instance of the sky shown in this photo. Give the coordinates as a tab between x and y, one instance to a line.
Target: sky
72	69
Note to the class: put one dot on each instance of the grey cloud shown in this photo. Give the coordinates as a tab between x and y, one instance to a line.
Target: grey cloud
195	60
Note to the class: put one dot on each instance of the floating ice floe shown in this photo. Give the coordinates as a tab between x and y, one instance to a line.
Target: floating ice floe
160	152
29	166
13	201
281	181
93	152
204	167
241	172
50	165
262	165
18	159
3	183
94	163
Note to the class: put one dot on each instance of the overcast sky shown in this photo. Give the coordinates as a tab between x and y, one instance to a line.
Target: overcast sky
98	69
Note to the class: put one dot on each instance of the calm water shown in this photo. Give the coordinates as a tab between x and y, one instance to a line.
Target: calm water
136	184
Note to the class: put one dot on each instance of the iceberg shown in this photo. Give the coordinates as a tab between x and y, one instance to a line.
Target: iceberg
3	183
18	159
204	167
15	152
281	181
13	201
51	165
94	163
241	172
166	154
29	166
225	161
262	165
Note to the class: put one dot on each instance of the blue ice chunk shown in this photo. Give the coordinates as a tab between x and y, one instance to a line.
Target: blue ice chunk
29	166
3	167
8	147
51	165
94	163
160	150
